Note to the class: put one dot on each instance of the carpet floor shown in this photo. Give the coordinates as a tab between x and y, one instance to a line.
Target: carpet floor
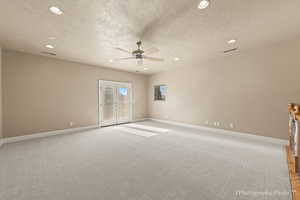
111	164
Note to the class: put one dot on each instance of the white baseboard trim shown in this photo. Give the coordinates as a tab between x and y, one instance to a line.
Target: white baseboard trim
216	130
45	134
51	133
223	131
139	120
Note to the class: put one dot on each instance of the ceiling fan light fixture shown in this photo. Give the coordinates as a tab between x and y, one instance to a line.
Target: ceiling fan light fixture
203	4
140	54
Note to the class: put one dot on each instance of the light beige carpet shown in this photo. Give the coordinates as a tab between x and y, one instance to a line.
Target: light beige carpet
110	164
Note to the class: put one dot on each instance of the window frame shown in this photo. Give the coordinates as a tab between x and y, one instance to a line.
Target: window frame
164	96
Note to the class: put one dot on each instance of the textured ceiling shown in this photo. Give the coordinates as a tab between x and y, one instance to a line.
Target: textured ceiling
89	30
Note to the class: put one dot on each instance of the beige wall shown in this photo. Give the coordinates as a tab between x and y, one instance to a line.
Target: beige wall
248	88
42	94
1	118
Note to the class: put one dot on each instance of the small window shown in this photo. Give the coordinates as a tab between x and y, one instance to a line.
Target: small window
160	92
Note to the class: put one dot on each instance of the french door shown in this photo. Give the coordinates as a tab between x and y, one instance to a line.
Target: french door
115	103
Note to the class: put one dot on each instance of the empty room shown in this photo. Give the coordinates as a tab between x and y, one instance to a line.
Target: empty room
149	100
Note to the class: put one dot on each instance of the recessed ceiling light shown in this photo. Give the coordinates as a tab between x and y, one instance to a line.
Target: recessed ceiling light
49	46
176	58
203	4
145	68
56	10
231	41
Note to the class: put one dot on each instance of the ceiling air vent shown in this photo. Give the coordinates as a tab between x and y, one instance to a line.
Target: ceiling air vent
230	50
48	53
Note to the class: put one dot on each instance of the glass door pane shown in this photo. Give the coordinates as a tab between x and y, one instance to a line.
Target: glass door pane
108	105
124	104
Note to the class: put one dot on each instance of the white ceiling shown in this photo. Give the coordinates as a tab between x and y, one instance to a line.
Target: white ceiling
89	30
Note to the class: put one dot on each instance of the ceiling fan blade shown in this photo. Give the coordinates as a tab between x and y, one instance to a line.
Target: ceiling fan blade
128	58
153	59
151	50
123	50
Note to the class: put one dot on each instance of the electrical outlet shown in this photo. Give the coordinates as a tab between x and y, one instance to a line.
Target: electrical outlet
71	124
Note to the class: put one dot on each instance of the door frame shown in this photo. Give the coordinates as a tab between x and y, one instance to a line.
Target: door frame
116	83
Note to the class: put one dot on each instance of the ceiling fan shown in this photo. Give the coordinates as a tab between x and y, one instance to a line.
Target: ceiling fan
140	54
